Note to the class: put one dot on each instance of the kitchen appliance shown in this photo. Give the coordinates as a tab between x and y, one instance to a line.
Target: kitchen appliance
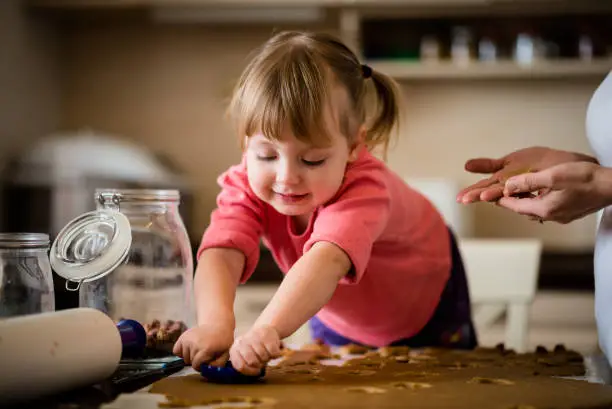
54	180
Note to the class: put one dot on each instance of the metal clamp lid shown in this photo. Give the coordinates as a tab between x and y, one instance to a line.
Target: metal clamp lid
91	246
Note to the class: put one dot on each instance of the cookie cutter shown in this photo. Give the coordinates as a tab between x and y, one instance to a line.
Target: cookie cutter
228	374
133	338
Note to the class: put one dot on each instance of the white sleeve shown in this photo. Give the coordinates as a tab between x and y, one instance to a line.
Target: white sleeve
603	283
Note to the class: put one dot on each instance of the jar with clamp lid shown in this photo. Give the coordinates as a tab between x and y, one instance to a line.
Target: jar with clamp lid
130	258
26	281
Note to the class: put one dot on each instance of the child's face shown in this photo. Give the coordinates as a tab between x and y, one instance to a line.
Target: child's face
294	177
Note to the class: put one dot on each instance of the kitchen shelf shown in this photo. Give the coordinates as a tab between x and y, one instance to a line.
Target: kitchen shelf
118	4
406	70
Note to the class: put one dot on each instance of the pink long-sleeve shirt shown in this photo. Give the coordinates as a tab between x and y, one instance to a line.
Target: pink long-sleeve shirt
396	240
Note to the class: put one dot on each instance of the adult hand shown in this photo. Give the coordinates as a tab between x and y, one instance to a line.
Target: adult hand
568	192
205	344
522	161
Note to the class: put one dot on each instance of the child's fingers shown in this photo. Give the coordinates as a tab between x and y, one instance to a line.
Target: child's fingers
273	348
240	364
185	353
177	349
250	357
201	357
249	370
206	356
221	360
193	352
259	348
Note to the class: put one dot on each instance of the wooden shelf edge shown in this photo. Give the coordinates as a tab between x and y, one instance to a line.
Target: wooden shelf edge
122	4
405	70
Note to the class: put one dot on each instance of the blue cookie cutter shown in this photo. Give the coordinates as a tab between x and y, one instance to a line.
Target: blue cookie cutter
133	338
228	374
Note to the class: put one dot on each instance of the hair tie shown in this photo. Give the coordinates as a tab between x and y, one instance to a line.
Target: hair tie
366	71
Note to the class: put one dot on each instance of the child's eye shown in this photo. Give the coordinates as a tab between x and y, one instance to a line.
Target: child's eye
266	158
313	162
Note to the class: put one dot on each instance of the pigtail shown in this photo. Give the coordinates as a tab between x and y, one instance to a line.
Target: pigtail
387	119
288	82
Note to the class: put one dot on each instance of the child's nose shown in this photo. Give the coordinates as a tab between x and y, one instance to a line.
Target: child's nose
287	174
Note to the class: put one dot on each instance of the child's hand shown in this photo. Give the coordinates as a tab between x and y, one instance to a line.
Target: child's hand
205	344
252	351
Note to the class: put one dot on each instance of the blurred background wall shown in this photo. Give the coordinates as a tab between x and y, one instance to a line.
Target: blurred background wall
72	68
165	86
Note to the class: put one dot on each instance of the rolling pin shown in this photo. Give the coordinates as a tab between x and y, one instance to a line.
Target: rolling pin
57	351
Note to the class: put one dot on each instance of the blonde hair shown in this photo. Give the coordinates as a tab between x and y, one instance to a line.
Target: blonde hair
290	81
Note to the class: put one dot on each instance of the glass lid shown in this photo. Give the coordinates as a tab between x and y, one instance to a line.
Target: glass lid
91	246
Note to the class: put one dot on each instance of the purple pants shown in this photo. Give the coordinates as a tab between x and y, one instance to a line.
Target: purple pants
450	325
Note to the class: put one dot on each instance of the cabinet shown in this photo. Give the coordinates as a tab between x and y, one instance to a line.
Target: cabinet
66	4
405	71
114	4
498	41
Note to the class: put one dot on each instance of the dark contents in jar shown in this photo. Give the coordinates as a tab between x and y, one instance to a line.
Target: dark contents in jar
161	337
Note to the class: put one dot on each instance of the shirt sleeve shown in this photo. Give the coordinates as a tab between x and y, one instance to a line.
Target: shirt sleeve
355	220
238	220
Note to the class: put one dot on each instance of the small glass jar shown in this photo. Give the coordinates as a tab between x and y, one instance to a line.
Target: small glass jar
461	45
131	258
26	281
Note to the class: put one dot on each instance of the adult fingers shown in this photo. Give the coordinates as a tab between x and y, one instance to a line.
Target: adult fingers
528	182
472	193
532	207
484	165
492	193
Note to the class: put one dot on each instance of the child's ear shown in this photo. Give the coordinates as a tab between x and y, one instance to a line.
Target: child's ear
358	143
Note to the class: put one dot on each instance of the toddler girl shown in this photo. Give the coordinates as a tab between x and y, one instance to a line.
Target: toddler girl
366	259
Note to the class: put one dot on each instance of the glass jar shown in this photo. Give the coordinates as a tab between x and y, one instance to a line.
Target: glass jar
26	281
131	258
461	45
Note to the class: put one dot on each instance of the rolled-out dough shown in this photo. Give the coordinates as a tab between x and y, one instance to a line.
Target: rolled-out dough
484	378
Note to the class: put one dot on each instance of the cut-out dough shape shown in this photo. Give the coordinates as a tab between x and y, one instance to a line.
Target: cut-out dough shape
393	351
353	349
361	372
491	381
366	389
258	403
411	385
